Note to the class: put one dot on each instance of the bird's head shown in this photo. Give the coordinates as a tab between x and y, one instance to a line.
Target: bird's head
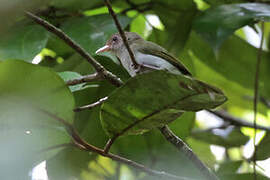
115	43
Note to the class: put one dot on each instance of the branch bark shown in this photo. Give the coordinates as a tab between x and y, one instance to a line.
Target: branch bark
183	147
90	106
58	32
82	144
122	33
83	79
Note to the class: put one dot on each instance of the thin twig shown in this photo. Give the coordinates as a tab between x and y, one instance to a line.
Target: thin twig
122	33
237	121
255	102
90	106
83	79
58	32
183	147
82	144
109	144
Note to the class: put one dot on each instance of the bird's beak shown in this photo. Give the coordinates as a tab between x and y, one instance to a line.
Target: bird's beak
103	49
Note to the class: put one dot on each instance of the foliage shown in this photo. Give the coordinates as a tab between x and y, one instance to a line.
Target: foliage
206	35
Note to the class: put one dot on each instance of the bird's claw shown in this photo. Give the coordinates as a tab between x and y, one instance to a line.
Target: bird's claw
136	67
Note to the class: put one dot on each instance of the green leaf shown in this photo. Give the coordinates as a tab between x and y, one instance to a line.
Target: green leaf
229	167
227	138
88	125
155	99
203	151
183	125
243	176
262	149
68	75
23	42
217	23
152	150
92	32
28	93
75	4
68	163
220	2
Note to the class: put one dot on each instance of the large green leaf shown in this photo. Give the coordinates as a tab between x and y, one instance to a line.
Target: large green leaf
28	93
92	32
239	69
217	23
262	149
23	42
155	99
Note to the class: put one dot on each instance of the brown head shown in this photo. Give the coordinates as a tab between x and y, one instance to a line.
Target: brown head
116	43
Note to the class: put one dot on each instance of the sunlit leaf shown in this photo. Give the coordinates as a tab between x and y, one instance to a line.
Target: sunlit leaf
236	70
217	23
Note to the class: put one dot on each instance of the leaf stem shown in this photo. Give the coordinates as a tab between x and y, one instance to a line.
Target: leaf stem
255	102
90	106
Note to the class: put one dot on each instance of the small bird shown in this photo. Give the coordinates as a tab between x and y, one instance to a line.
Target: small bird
148	55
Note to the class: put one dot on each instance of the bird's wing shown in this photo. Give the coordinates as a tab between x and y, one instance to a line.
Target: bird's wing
156	50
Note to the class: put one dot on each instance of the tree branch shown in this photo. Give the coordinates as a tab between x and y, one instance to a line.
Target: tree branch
122	33
255	102
183	147
90	106
58	32
117	82
83	79
237	121
82	144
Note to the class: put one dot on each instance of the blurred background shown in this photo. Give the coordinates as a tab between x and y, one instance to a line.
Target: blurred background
219	43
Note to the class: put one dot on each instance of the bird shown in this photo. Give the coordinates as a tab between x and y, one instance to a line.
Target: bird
148	55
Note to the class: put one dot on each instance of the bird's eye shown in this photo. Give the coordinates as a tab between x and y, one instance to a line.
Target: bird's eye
114	39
